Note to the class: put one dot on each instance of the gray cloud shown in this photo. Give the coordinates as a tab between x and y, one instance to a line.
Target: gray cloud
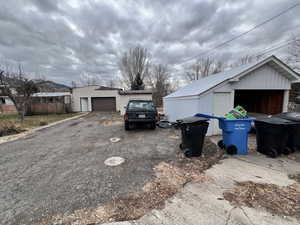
63	39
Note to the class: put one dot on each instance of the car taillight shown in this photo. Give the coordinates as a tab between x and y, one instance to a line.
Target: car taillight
157	116
125	116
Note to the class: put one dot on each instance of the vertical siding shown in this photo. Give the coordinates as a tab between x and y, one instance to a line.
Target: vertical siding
178	108
264	77
175	108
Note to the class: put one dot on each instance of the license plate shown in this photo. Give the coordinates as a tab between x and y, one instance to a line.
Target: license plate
142	116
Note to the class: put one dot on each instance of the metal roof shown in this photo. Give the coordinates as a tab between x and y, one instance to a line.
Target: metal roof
133	92
204	84
51	94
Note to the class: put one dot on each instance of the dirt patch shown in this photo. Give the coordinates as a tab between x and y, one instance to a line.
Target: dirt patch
275	199
169	178
295	177
295	156
111	123
9	128
74	124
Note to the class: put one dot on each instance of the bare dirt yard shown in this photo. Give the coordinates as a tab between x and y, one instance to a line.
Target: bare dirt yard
58	175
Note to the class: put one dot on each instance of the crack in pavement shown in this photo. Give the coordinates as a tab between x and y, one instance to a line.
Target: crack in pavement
229	215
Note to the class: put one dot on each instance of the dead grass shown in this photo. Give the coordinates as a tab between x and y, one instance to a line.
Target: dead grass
275	199
9	128
169	178
11	124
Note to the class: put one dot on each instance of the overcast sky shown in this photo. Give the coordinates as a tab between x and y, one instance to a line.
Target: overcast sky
63	39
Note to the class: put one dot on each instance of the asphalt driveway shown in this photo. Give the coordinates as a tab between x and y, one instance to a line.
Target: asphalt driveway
61	169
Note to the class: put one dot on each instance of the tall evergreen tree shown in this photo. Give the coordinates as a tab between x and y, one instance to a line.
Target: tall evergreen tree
138	83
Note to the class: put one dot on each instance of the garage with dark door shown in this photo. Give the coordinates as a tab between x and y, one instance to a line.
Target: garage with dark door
105	104
260	101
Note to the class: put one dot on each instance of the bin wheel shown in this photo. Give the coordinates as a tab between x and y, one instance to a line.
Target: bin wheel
231	150
181	146
287	151
272	153
221	144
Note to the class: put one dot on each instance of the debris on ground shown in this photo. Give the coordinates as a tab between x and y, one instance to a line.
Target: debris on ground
111	123
114	161
174	137
164	124
295	177
294	157
114	139
280	200
169	178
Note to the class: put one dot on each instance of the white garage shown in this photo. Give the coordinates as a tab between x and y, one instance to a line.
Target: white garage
260	87
106	99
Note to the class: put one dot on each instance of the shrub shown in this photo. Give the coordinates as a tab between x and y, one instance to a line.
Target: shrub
43	123
9	128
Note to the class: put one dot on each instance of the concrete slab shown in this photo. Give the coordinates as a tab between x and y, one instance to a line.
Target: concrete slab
203	203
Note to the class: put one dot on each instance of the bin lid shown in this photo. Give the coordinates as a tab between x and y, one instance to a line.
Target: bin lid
272	120
293	116
192	119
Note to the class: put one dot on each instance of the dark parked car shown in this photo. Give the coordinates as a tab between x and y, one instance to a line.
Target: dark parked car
140	112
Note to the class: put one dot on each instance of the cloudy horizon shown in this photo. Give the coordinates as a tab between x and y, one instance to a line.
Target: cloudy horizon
64	40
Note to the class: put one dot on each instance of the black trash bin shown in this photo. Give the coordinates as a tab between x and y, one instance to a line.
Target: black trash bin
193	131
293	129
272	136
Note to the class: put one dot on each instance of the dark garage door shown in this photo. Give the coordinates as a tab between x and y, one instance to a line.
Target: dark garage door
260	101
107	104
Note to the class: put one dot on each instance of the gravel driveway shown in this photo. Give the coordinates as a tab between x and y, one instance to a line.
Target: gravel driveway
61	169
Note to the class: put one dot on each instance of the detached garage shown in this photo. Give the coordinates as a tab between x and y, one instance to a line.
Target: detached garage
104	99
261	87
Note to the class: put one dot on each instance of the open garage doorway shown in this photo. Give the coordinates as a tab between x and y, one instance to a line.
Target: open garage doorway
260	101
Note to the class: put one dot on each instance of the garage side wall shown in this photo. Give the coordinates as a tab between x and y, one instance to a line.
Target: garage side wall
178	108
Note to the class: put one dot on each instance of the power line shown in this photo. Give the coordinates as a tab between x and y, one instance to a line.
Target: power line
276	48
242	34
266	50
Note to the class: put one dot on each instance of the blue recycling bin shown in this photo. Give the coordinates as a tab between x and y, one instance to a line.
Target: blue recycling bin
235	133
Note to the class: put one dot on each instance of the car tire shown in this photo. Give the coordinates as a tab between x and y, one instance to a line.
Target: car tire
127	125
153	126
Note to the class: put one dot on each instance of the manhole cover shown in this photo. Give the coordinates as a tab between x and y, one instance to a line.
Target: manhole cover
114	161
114	139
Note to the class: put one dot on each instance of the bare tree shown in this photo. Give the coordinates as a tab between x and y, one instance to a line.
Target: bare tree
294	54
160	83
246	59
87	79
18	88
134	63
111	83
204	67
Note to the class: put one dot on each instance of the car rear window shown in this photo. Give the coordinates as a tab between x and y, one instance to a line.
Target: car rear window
141	106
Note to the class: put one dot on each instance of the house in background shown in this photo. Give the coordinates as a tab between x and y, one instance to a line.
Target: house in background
41	103
260	87
100	98
50	103
7	106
